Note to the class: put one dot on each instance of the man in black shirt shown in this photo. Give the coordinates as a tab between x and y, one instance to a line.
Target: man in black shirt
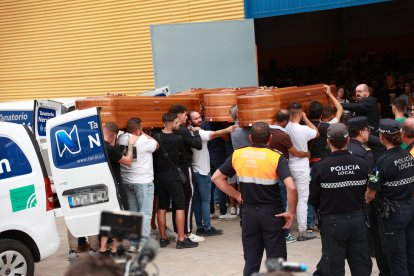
337	188
167	182
110	132
191	139
366	105
258	169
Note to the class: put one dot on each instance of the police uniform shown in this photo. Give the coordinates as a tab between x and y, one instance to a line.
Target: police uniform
359	149
395	188
258	169
337	190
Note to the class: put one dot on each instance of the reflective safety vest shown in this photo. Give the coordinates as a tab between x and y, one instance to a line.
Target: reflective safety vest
256	165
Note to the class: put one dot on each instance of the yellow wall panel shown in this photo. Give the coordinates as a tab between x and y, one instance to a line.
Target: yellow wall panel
60	48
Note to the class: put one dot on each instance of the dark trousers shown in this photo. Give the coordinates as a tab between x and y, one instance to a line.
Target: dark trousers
376	244
188	188
222	198
261	230
399	236
344	236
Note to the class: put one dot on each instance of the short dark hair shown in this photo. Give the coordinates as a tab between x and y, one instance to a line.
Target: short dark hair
399	104
260	133
177	109
94	265
353	132
328	111
133	124
112	127
339	143
315	110
168	117
282	116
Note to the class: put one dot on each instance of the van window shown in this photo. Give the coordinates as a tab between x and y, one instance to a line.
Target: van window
13	162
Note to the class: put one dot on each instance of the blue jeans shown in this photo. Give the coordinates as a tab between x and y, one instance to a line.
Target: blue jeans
202	196
399	236
140	199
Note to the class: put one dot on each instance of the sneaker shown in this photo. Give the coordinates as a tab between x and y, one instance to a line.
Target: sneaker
170	234
200	232
195	238
72	255
304	236
132	249
164	242
290	238
312	229
213	216
227	216
186	243
233	211
92	252
213	232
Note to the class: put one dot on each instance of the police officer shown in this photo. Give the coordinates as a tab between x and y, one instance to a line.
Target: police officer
394	189
258	169
359	135
337	188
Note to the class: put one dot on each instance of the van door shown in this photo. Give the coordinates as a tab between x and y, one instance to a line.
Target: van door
43	111
82	175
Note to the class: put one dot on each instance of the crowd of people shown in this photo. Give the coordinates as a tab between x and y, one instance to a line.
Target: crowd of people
325	169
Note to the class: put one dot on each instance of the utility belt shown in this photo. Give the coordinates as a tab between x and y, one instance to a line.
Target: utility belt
386	206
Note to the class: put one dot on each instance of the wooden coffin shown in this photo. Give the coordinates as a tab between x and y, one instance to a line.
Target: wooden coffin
149	109
261	106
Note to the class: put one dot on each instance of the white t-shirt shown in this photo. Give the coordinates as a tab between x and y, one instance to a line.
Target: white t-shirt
201	158
333	121
141	170
300	135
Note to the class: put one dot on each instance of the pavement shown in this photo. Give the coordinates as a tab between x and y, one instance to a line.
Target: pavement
218	255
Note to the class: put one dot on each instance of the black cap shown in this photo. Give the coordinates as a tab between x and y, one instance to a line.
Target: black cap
389	126
337	131
295	105
358	123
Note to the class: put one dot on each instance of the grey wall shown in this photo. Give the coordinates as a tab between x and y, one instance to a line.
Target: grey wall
206	54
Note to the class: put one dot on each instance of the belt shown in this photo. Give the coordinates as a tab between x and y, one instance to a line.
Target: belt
315	159
344	215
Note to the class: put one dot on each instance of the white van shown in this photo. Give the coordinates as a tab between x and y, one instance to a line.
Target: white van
84	182
28	231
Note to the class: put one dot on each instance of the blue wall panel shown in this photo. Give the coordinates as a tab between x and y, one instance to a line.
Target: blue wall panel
267	8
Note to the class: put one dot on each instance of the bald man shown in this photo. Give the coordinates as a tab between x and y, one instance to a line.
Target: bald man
366	105
407	134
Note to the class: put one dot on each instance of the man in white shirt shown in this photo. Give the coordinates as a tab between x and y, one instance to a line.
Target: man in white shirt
138	178
202	177
299	166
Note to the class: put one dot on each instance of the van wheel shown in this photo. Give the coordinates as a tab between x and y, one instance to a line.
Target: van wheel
15	258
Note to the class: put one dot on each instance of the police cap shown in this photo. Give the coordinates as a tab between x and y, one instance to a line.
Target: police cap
337	131
389	126
358	123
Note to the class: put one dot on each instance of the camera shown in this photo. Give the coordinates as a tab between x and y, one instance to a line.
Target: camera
128	225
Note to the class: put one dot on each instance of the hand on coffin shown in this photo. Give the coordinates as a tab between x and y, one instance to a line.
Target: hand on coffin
327	90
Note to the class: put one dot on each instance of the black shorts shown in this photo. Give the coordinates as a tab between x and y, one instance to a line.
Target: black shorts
172	189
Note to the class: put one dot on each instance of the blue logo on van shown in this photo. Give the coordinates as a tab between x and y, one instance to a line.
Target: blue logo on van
77	143
67	141
13	162
43	115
